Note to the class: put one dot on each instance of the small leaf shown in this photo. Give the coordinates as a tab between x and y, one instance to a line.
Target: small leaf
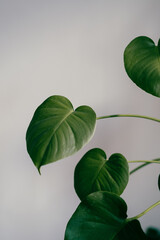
102	216
159	182
57	131
142	64
95	173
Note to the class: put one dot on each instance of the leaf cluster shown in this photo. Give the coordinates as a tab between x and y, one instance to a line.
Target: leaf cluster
57	131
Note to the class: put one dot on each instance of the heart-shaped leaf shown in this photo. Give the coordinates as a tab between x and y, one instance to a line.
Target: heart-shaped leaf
95	173
102	216
57	131
142	64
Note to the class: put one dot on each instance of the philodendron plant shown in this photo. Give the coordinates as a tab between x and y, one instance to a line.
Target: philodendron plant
57	131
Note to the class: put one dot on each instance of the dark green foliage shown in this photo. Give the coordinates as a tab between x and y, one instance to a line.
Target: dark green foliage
153	234
95	173
57	131
142	64
102	216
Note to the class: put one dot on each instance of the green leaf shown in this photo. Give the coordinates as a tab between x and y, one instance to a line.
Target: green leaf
142	64
153	233
57	131
131	231
95	173
102	216
159	182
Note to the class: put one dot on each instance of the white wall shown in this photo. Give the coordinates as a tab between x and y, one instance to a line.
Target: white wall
71	48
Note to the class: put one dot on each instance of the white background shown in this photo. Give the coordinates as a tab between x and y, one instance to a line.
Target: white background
74	49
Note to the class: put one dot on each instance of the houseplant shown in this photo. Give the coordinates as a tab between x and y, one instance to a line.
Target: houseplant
57	131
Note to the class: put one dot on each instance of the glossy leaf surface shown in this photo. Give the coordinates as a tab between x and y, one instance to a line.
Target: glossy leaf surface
142	64
95	173
102	216
57	131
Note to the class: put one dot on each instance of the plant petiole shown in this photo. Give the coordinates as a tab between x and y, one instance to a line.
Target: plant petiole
144	212
129	115
144	161
143	165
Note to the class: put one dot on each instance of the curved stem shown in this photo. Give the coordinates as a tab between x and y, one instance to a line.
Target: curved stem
143	165
129	115
144	212
145	161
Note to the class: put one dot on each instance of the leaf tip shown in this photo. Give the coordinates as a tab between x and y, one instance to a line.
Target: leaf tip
38	168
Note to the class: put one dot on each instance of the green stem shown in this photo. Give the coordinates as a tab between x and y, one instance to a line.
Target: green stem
144	212
136	116
143	165
129	115
145	161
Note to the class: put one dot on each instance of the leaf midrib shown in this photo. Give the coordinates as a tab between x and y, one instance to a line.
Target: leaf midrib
99	171
58	126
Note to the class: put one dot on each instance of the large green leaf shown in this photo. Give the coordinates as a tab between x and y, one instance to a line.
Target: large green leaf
102	216
142	64
57	131
95	173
